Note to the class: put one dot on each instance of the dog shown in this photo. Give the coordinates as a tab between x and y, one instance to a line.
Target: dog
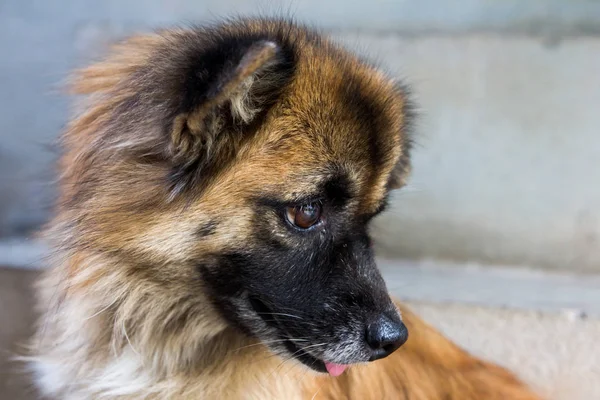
211	232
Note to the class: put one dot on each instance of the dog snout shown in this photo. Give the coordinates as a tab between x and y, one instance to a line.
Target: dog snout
385	335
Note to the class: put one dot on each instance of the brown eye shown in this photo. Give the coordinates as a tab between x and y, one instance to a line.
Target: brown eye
304	216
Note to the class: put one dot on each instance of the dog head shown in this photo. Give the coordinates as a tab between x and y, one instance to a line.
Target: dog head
234	170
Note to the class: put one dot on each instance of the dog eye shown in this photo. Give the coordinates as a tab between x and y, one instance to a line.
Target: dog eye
304	216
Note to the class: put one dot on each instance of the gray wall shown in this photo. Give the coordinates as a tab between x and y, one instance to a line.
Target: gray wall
507	166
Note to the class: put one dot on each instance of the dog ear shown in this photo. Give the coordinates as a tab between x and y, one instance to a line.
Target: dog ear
400	173
223	96
403	168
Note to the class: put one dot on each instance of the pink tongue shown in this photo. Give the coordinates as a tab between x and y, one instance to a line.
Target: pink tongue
335	369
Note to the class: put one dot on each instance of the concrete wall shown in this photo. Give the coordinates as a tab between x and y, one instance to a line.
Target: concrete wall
506	166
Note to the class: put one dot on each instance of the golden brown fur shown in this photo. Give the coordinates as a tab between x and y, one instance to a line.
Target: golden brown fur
143	203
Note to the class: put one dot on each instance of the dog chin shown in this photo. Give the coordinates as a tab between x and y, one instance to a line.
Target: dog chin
304	357
291	349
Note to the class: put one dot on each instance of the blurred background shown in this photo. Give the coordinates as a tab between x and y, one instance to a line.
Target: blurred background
497	238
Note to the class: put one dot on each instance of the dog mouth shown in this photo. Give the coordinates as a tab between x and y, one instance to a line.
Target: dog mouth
316	364
304	357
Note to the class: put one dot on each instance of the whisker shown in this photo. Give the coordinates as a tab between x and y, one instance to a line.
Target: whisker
263	342
271	355
301	322
293	310
280	314
296	352
305	371
313	345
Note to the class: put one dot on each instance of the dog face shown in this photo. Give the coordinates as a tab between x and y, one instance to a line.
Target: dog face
234	170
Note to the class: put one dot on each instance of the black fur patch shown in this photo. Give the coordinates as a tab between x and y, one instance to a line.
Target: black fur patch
338	189
207	228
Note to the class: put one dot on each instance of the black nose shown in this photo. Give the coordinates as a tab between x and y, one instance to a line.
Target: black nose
385	335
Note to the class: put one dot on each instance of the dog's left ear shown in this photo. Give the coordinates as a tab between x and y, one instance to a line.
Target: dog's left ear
222	95
401	171
399	175
406	115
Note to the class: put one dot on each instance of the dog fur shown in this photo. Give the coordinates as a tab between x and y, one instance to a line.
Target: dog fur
170	238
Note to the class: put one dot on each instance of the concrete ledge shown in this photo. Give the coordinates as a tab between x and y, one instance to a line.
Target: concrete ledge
435	281
22	253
